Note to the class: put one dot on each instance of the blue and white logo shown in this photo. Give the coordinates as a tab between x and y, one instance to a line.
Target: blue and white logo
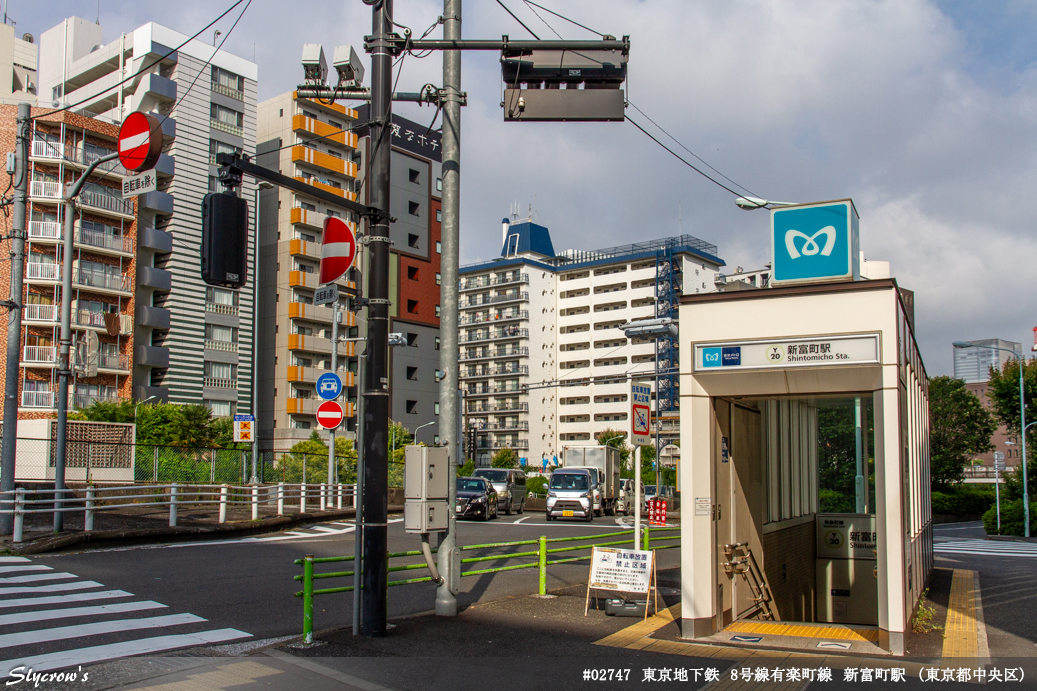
711	357
815	243
329	386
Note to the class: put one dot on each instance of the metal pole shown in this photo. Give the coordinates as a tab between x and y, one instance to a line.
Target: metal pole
14	313
358	494
334	368
997	495
64	365
449	386
255	341
376	386
859	480
1022	440
637	495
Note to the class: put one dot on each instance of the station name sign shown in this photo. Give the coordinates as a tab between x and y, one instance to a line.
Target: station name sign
792	352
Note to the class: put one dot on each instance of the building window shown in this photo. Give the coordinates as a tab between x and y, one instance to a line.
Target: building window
412	339
413	175
219	408
439	247
437	342
436	406
226	116
412	240
218	147
412	407
412	373
412	306
439	215
435	440
228	79
439	279
413	208
439	311
439	184
412	273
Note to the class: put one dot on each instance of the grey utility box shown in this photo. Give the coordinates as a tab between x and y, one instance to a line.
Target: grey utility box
425	486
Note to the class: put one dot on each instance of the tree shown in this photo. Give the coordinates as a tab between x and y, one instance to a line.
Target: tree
617	440
959	429
467	469
399	437
505	458
1003	392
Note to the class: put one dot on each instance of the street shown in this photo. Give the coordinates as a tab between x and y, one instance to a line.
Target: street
150	599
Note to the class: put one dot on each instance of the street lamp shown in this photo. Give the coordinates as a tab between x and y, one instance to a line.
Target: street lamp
750	203
415	435
139	403
1022	426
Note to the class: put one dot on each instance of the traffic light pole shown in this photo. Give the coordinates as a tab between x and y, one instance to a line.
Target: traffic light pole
373	607
14	316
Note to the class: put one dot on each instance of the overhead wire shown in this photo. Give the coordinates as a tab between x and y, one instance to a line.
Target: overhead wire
530	2
517	19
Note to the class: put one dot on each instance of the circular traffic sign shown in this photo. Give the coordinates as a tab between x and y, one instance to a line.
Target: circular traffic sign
329	386
329	415
140	142
338	251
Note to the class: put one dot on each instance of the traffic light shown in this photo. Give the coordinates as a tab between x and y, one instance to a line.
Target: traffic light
224	240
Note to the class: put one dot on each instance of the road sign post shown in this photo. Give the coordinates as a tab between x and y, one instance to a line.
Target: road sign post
329	415
999	465
329	386
140	142
640	435
244	429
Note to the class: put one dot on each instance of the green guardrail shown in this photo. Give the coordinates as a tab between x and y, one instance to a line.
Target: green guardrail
308	575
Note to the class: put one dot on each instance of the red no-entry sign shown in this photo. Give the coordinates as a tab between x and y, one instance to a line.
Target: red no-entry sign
140	142
329	414
339	249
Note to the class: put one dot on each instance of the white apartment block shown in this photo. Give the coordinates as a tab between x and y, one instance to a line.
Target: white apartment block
543	361
192	341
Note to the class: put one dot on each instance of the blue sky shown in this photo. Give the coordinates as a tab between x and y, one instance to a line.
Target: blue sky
923	111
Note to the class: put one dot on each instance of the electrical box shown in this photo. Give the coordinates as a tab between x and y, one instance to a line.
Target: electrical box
425	473
425	516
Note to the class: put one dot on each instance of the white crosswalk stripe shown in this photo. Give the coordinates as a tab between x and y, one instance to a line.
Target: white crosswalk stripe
46	630
990	548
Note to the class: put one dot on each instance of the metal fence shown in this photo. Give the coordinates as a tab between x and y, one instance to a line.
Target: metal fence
121	463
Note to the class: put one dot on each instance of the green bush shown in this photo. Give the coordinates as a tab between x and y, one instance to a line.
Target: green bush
1011	518
537	485
963	500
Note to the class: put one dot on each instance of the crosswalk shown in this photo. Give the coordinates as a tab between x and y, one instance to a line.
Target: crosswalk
991	548
51	620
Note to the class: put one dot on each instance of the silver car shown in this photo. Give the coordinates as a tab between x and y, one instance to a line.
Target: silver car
570	494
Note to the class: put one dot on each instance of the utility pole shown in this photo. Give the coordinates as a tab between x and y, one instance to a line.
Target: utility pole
332	469
376	384
450	401
14	316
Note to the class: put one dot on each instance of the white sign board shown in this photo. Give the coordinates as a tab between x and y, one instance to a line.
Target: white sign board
787	353
846	536
621	570
243	428
132	185
640	414
326	295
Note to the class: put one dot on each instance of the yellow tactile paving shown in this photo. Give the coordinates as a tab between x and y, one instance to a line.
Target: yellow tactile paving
634	633
804	631
961	629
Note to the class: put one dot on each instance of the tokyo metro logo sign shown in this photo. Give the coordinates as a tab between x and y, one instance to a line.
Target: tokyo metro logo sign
815	243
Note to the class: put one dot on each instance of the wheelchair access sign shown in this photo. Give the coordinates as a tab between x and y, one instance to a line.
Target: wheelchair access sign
329	386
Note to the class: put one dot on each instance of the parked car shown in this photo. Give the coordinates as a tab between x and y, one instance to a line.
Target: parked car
625	504
510	486
476	498
570	494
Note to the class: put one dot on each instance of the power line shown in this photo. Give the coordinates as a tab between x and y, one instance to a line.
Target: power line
146	67
530	2
517	19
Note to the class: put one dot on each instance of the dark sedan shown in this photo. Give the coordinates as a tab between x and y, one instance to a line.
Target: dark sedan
476	498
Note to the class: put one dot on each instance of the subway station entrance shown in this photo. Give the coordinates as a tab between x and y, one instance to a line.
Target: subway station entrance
805	465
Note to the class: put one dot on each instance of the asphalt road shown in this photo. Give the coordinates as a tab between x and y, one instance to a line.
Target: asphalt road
241	590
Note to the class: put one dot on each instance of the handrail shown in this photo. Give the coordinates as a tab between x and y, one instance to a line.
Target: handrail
308	576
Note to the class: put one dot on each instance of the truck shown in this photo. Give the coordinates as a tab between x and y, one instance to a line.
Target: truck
605	460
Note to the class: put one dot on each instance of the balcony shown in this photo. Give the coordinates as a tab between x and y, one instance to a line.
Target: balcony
159	202
319	313
37	399
499	353
500	334
301	248
155	239
497	444
500	407
88	318
68	154
217	383
506	426
44	230
227	127
153	317
227	91
303	279
44	355
85	400
118	244
102	281
475	391
114	362
490	318
224	346
309	375
310	219
152	356
486	281
323	161
509	388
217	308
41	313
302	406
326	187
315	344
38	271
45	189
494	299
106	203
154	278
496	372
301	123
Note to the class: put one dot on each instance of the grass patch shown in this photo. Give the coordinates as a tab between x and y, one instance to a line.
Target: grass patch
922	622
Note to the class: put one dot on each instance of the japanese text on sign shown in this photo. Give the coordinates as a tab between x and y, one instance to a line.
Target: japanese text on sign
621	570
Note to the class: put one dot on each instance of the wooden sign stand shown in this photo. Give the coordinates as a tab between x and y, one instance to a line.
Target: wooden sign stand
653	589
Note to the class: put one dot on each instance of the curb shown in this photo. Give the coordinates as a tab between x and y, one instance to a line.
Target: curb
177	533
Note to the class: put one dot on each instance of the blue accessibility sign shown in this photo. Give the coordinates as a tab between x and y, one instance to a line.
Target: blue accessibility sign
329	386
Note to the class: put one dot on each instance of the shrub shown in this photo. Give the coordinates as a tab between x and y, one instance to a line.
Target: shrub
537	485
963	500
923	620
1011	518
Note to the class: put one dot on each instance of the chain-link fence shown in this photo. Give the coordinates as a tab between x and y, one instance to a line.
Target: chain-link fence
104	462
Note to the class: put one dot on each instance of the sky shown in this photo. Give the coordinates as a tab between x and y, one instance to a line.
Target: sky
924	112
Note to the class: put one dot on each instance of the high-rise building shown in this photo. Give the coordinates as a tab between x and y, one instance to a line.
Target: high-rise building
105	237
973	365
543	361
186	334
18	57
312	142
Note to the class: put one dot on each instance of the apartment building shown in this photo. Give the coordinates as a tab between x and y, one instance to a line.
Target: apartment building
312	142
18	58
543	361
191	342
105	236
